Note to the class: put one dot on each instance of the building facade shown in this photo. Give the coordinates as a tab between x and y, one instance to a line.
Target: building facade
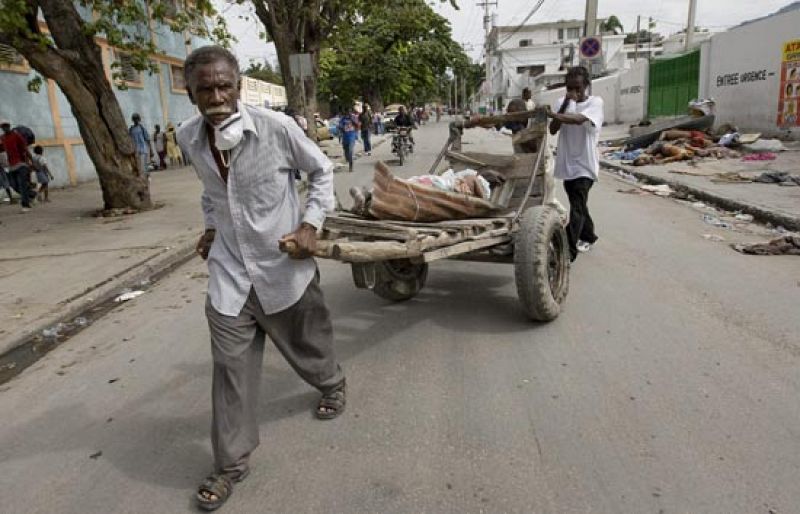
537	56
159	98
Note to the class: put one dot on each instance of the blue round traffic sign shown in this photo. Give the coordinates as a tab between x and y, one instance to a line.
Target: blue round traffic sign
590	47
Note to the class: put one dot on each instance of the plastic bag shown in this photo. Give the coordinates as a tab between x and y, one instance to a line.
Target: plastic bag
765	145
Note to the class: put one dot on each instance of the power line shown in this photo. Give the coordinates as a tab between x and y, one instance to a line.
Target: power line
518	27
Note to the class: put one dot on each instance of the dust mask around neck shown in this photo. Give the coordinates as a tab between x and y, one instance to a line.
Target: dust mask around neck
229	133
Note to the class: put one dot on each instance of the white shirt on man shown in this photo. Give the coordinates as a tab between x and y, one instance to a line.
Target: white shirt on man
577	154
257	206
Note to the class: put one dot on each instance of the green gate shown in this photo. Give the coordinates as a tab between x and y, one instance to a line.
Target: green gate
673	83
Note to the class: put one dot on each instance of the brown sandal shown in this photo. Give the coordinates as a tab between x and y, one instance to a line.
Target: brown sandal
332	403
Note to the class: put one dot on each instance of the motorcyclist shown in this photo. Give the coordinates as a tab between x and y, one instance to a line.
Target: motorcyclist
404	120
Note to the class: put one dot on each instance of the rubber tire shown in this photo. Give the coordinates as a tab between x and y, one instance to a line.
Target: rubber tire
538	227
399	280
400	153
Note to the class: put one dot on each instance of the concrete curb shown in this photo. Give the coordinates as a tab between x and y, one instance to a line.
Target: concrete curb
761	214
153	269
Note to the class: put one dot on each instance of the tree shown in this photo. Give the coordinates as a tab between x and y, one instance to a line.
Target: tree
612	24
264	72
395	53
66	52
304	27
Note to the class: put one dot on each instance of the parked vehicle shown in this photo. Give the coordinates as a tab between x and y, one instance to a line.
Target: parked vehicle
402	145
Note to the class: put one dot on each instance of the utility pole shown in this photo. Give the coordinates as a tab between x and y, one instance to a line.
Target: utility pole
455	92
590	26
638	31
487	27
464	98
690	25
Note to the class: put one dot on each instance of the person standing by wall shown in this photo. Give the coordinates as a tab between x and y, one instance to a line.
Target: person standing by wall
19	171
577	119
174	153
141	140
243	155
43	173
4	183
160	145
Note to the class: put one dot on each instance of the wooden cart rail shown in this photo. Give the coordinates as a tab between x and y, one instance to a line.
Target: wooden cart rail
350	238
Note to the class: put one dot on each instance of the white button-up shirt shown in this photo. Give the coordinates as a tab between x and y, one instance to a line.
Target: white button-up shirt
258	205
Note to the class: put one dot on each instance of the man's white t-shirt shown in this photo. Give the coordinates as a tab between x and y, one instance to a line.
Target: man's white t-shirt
577	154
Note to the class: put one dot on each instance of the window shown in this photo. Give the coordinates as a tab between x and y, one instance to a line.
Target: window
573	33
560	34
524	42
178	81
12	60
125	70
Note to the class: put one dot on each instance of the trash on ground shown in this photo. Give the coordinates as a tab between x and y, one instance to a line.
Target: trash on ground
633	191
713	237
715	221
731	177
746	218
786	245
130	295
764	156
96	455
659	190
80	321
765	145
778	177
198	275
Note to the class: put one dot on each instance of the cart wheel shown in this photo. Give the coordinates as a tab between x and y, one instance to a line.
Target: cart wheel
541	263
399	279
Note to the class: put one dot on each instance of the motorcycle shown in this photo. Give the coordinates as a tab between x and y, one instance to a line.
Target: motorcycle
402	145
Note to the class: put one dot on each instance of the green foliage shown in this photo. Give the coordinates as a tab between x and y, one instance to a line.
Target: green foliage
123	23
397	51
35	84
612	24
263	71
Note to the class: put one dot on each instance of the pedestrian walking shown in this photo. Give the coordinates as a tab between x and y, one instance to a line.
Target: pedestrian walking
19	171
43	174
578	119
141	142
348	128
174	153
241	154
365	120
377	123
160	145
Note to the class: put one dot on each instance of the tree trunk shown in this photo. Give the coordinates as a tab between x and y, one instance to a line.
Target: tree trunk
374	98
75	63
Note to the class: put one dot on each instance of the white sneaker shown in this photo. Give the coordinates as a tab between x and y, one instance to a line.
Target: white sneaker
24	210
583	246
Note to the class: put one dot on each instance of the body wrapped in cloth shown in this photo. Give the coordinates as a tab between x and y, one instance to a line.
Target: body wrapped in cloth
397	199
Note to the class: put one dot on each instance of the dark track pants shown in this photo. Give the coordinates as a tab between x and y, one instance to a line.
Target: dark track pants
581	226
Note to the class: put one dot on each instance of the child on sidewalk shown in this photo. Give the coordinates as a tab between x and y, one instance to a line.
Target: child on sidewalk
43	175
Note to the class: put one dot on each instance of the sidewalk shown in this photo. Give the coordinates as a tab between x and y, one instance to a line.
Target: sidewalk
59	259
768	203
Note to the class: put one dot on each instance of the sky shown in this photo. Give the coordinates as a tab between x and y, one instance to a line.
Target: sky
670	15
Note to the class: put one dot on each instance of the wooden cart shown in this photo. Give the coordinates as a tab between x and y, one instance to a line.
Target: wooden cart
391	258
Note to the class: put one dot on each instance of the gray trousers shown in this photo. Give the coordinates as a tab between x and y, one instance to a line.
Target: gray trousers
302	333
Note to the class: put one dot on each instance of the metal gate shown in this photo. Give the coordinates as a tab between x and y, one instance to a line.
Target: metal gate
673	83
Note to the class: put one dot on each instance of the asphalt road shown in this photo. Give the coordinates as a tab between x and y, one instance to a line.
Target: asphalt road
668	385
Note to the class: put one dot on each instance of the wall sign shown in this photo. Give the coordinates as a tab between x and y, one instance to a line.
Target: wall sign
789	97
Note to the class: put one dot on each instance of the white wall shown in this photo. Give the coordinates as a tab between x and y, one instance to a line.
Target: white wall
623	94
756	47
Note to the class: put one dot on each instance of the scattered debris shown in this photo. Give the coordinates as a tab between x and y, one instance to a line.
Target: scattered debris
786	245
96	455
659	190
112	380
130	295
746	218
715	221
80	321
713	237
731	177
633	191
764	156
198	275
783	178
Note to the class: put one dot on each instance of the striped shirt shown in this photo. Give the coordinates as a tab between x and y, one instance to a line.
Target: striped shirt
257	207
